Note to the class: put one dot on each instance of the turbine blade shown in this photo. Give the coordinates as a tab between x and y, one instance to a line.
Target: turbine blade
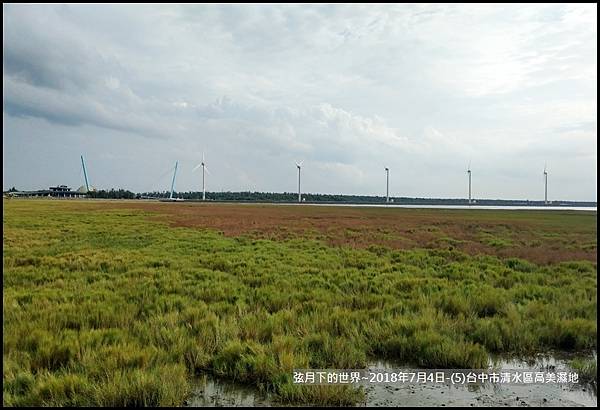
206	169
196	167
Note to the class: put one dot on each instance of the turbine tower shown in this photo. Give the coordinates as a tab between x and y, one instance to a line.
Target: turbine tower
87	185
387	187
204	168
173	183
469	173
545	186
299	165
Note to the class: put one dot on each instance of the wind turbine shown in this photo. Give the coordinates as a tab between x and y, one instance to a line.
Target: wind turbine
545	185
469	172
299	165
204	168
87	185
387	188
87	188
173	186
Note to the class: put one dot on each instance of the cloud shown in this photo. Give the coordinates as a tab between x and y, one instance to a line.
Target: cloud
348	88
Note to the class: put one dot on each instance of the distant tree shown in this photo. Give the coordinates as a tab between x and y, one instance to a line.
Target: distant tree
112	194
308	197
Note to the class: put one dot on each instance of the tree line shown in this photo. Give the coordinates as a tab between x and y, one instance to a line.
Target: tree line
308	197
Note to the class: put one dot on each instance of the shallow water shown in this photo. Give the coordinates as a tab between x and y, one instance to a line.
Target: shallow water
211	392
536	395
496	207
216	393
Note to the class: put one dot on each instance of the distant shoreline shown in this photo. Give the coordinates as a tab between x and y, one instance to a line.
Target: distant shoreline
307	198
486	203
481	205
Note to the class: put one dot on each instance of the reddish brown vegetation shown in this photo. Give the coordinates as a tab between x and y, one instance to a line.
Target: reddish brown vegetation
536	236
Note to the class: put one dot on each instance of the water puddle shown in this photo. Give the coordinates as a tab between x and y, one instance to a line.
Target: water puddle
507	395
211	392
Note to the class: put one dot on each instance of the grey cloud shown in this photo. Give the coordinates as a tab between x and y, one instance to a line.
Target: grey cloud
346	88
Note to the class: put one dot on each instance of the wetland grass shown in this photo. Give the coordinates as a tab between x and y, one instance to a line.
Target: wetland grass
112	305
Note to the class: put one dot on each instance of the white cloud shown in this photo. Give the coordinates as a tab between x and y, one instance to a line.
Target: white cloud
348	88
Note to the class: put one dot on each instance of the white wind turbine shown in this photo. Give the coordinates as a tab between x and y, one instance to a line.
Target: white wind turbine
387	185
171	197
545	185
173	182
204	169
299	166
469	172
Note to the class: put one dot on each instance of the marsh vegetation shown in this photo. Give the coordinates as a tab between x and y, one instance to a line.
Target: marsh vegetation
123	303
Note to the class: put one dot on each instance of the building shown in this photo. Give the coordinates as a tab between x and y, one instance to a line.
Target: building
59	191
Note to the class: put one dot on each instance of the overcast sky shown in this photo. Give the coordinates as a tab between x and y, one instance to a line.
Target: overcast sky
347	89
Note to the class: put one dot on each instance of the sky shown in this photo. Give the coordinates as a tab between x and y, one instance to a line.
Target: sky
423	89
